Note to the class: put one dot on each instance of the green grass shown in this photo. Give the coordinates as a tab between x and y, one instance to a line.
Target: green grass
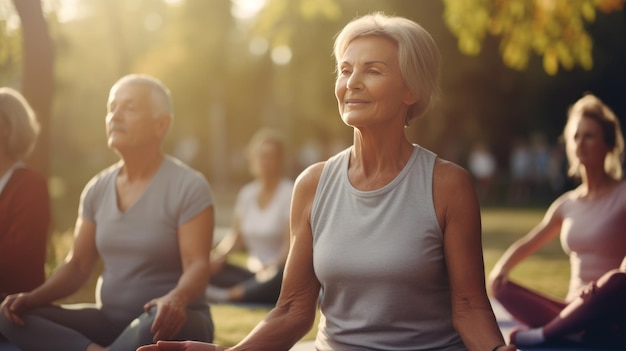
547	271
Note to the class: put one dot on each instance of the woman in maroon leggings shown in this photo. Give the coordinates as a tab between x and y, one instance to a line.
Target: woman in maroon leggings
590	221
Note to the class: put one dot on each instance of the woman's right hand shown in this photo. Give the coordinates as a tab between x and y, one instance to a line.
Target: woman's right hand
14	305
181	346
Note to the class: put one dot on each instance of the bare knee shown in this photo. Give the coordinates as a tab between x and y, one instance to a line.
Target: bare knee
613	279
609	289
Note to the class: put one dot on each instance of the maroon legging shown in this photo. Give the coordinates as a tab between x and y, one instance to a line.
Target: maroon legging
600	310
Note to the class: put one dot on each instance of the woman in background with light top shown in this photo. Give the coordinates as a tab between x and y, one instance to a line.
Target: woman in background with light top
260	226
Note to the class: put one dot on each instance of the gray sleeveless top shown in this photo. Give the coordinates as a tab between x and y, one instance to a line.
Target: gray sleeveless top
379	257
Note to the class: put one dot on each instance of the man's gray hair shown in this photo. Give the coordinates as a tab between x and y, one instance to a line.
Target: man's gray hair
161	96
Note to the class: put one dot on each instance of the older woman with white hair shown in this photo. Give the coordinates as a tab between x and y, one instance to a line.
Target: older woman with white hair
24	201
388	231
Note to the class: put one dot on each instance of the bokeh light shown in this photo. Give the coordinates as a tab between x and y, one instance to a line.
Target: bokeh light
281	55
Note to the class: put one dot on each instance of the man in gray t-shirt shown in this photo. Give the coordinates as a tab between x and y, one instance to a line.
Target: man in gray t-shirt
149	218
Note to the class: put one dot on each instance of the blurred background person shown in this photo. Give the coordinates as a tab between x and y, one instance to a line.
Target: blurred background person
540	166
590	220
149	219
260	228
24	200
557	170
520	172
482	165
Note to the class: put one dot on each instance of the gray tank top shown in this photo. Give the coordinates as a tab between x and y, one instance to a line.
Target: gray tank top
379	257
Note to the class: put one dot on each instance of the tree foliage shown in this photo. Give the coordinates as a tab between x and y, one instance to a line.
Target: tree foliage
226	85
553	29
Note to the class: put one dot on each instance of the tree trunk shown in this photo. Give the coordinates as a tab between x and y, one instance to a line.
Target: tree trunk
37	74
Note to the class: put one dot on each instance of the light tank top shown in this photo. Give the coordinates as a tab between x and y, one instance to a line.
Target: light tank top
593	235
379	257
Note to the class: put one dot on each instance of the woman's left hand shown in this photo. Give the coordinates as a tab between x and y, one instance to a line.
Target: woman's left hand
171	315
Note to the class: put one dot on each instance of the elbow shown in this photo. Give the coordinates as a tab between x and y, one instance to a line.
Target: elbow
80	269
300	316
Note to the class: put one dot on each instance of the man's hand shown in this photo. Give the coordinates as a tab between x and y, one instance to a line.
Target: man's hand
171	315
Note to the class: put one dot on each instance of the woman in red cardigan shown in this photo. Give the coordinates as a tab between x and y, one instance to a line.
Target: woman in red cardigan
24	200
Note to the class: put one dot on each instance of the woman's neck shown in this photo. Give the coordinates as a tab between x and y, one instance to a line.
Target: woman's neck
268	189
596	184
373	156
269	184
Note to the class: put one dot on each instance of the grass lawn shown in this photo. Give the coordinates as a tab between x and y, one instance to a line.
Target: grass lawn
548	271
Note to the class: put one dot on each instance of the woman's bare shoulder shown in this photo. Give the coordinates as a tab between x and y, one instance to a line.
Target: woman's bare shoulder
450	173
308	179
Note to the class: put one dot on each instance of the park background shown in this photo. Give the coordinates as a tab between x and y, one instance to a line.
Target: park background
511	68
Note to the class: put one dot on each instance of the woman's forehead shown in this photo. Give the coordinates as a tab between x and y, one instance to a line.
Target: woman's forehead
370	49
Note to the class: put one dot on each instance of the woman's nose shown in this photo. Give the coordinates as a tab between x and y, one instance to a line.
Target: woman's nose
354	81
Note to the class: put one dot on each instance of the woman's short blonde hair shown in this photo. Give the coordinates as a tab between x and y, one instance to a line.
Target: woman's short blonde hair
590	106
21	121
418	56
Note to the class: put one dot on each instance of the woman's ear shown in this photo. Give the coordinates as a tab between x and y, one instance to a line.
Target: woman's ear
410	97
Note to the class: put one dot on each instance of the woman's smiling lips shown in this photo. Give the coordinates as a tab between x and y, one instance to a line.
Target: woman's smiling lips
355	102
